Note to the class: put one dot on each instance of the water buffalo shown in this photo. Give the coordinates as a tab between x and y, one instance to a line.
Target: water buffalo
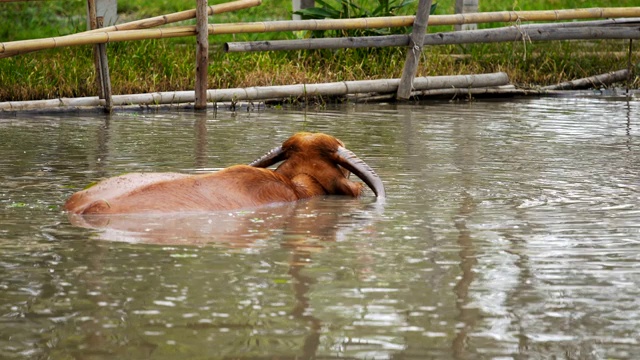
312	164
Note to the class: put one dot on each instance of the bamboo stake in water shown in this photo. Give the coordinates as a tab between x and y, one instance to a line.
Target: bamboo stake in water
202	55
592	81
100	58
415	50
105	78
93	24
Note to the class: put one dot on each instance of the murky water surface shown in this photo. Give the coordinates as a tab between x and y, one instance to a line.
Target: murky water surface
511	230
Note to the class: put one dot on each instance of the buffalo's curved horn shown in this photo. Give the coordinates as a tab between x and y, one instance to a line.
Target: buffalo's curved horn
275	155
347	159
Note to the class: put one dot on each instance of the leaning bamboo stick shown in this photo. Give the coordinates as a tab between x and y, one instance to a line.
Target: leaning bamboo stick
11	48
493	91
505	34
591	81
416	40
153	22
270	92
180	16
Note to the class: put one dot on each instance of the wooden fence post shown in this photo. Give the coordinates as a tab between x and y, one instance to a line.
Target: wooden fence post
202	54
415	50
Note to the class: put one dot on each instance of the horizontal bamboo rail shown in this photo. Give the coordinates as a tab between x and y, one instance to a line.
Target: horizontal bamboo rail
270	92
435	20
15	47
609	22
505	34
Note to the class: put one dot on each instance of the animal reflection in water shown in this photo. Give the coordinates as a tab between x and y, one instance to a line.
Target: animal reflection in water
313	164
302	224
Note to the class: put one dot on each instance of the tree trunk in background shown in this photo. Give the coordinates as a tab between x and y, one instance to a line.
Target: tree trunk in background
301	4
466	6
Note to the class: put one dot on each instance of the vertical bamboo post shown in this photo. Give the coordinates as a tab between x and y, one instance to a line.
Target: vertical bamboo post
414	52
100	57
105	78
202	54
93	24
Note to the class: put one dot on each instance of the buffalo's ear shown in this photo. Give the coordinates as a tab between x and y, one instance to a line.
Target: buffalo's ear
347	159
274	156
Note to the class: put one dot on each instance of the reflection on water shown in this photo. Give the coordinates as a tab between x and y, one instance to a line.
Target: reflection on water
510	230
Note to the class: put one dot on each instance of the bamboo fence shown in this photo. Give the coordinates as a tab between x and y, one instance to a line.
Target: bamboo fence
84	38
424	86
271	92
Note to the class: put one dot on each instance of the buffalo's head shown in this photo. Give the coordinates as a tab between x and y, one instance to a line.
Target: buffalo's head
322	163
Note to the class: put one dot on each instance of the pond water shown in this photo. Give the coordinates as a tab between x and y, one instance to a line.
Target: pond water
511	230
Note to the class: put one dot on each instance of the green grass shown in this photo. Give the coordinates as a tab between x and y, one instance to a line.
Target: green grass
166	65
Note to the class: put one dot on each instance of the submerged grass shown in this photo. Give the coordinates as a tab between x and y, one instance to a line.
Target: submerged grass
168	65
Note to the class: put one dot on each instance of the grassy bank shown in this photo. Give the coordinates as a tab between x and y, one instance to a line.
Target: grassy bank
166	65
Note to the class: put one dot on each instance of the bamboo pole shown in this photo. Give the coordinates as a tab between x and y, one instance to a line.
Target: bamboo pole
434	20
93	24
202	55
535	15
505	34
181	16
592	81
608	23
100	58
414	50
14	47
270	92
105	78
134	25
318	43
494	91
515	33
